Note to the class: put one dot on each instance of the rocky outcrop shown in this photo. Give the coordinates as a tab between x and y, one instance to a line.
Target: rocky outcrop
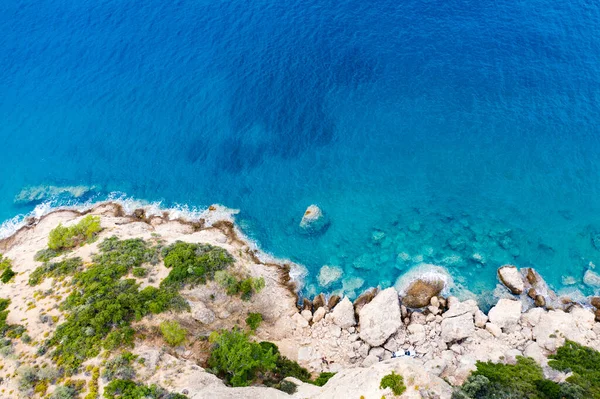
513	280
506	314
343	314
313	220
419	293
380	318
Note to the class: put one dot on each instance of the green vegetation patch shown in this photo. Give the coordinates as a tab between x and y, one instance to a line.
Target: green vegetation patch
63	238
120	367
393	381
102	307
583	362
234	286
127	389
324	377
193	263
253	321
6	272
525	379
173	333
238	360
56	270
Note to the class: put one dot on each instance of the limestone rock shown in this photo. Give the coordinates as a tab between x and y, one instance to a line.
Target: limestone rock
329	275
419	292
555	326
313	220
201	313
457	328
354	382
591	278
506	314
380	318
480	319
512	279
595	301
493	329
343	314
307	314
333	300
319	314
318	301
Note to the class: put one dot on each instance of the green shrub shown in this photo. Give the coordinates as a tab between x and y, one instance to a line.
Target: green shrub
238	360
44	255
127	389
6	272
193	263
393	381
64	392
583	362
253	320
62	238
323	378
173	333
7	275
287	387
245	287
55	270
140	272
119	367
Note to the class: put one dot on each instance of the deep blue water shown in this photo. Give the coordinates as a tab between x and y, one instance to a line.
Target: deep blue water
453	127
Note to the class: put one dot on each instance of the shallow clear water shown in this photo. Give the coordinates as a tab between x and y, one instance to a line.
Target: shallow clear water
454	128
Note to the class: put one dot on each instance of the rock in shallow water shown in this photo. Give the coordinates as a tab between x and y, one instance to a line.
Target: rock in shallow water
314	220
591	278
512	279
420	292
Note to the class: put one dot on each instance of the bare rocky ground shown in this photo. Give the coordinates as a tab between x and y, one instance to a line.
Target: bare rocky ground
357	340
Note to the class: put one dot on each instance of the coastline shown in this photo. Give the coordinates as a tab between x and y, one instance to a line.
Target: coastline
443	336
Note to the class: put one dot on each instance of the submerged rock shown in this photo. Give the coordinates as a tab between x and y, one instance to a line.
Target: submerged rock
380	318
512	279
313	220
329	275
591	278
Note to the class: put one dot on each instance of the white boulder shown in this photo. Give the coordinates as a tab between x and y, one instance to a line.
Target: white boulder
343	314
506	314
457	328
380	318
512	279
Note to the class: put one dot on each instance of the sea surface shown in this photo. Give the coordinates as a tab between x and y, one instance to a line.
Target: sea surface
454	133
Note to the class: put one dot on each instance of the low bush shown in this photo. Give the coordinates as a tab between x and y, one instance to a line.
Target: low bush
236	359
193	263
36	379
7	275
120	367
6	272
323	378
45	255
65	392
253	320
139	272
172	332
62	238
55	270
393	381
244	287
127	389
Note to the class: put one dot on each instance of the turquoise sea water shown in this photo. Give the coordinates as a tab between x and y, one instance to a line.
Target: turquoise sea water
466	132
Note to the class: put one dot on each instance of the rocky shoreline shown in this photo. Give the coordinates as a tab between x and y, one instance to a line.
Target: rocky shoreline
433	341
